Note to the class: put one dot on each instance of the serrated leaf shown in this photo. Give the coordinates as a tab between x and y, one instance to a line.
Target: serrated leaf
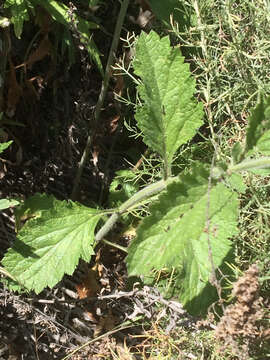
32	207
50	246
169	115
258	131
175	235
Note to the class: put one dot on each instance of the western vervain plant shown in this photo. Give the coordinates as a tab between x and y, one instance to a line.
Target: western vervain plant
193	216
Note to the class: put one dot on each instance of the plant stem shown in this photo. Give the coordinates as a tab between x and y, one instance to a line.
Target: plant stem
117	246
261	163
102	95
143	194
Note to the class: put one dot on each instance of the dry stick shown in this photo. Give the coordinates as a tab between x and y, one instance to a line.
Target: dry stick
102	95
115	330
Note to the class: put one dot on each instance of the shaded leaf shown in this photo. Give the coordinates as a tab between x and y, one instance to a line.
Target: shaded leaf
65	16
237	153
32	208
176	234
93	52
258	131
163	10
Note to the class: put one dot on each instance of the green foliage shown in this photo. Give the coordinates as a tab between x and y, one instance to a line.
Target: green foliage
166	92
6	203
258	131
32	208
230	44
51	243
5	145
192	221
61	14
122	187
176	233
257	140
19	14
165	9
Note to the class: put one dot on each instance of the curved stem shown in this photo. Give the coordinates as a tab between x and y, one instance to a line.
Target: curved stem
143	194
117	246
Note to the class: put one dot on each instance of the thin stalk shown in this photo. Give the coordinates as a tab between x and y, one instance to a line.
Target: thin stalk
123	326
117	246
102	95
143	194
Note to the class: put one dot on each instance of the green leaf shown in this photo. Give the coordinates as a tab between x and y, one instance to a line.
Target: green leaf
6	203
4	146
237	152
183	15
237	183
61	13
258	131
4	22
122	187
169	115
19	14
176	234
67	45
93	52
261	172
32	207
50	245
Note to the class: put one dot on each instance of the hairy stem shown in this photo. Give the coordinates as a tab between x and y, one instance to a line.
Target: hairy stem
102	95
261	163
143	194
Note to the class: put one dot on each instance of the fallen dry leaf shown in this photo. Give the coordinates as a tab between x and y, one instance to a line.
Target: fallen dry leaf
89	286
